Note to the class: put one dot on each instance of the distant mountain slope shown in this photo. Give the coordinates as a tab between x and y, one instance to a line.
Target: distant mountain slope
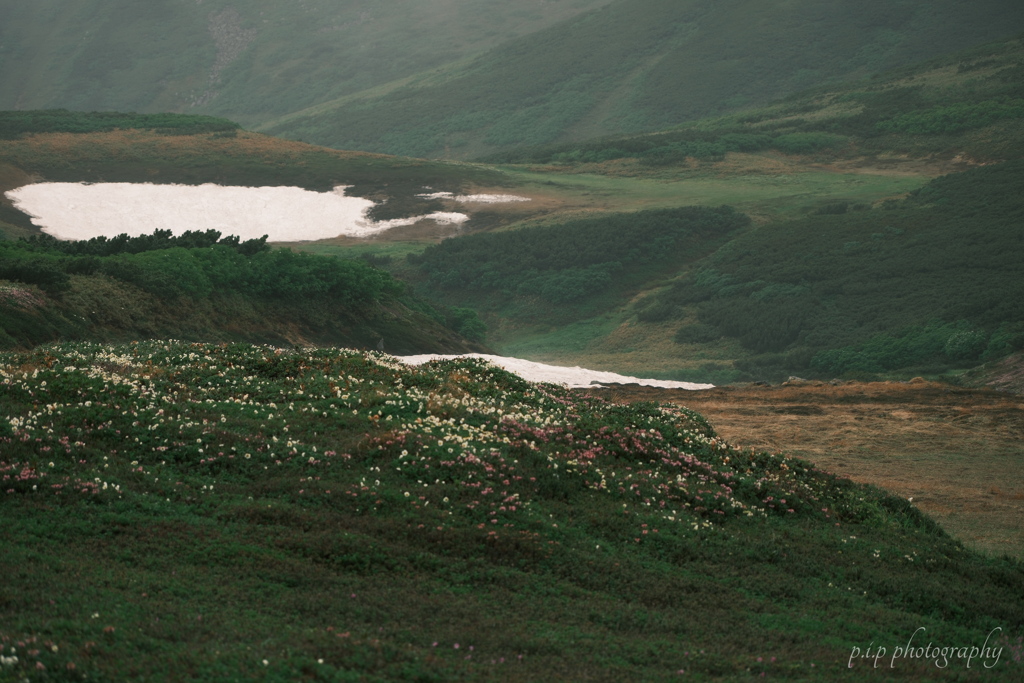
967	105
247	59
639	65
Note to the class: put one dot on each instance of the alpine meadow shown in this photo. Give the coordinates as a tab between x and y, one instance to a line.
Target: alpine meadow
546	340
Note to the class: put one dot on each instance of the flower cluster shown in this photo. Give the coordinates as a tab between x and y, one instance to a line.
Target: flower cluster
20	296
447	441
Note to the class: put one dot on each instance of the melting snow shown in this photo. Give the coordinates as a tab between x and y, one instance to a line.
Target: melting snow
442	217
570	377
475	198
77	211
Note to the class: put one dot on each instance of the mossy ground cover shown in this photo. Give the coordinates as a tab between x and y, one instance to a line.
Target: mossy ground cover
179	511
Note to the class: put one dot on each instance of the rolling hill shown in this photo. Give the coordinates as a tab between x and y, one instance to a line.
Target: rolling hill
246	60
845	253
849	281
636	65
227	511
463	78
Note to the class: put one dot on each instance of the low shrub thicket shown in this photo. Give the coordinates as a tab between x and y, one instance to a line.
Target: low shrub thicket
193	265
934	279
14	124
570	262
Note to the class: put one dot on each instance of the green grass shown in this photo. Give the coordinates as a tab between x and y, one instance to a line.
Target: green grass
775	193
563	342
373	250
210	512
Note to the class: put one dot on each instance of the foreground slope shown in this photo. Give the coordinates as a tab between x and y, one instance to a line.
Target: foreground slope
174	509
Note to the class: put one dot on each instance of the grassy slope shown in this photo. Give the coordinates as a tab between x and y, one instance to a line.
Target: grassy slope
642	66
200	511
100	308
244	60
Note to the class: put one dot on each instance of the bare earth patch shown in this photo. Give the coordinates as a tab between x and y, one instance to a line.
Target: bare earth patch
958	453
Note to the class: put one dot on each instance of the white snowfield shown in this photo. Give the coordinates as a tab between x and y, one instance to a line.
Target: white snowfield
575	377
78	211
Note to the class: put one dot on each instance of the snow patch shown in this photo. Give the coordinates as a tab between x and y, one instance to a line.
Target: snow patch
475	198
78	211
441	217
574	377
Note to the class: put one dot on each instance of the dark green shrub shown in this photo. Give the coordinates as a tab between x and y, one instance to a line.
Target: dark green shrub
807	143
466	322
954	118
966	345
832	209
43	272
660	310
698	333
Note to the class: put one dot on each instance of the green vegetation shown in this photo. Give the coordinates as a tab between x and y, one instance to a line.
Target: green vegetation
231	510
198	285
671	148
917	346
625	69
17	123
194	265
931	281
246	61
954	118
969	101
569	263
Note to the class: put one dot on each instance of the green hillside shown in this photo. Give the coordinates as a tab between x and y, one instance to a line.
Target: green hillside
967	104
934	280
244	60
204	287
920	285
856	263
634	66
850	260
231	511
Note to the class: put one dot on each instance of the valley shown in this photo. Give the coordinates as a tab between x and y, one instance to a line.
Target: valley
297	346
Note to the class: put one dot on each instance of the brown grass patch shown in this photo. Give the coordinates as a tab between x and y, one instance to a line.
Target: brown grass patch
957	453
